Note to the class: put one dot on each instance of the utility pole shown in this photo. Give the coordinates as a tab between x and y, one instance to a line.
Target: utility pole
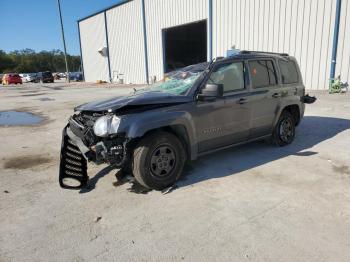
64	41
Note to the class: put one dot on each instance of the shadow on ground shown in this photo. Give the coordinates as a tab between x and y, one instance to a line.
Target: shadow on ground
311	131
93	181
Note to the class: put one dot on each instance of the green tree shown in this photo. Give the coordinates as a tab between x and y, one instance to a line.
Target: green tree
28	61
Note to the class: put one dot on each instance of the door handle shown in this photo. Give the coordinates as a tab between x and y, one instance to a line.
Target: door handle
242	101
276	95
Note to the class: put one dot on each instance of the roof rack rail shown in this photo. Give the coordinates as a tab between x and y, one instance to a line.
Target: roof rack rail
262	52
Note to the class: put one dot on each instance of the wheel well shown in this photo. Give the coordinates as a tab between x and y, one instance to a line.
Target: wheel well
179	131
295	112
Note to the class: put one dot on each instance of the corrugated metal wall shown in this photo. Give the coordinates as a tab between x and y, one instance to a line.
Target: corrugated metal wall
302	28
92	35
162	14
125	37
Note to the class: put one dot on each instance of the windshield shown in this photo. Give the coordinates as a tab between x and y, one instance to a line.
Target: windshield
178	83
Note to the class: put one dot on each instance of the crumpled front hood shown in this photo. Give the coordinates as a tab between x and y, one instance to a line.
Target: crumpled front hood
142	98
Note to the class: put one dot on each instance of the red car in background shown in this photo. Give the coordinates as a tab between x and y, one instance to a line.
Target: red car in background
9	79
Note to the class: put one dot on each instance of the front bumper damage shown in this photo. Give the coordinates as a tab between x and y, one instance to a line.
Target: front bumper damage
76	151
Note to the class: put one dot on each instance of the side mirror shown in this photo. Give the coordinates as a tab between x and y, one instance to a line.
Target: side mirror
210	92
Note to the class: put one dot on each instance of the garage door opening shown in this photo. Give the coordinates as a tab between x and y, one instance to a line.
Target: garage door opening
184	45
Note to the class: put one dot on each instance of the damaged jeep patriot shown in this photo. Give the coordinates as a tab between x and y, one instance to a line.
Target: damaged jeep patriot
199	109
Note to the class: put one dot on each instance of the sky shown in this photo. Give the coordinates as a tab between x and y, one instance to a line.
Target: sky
35	24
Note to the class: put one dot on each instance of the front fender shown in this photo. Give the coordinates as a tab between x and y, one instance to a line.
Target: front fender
137	125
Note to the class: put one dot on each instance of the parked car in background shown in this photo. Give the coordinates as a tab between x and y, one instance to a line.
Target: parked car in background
76	76
9	79
56	76
31	77
23	77
28	77
44	77
62	75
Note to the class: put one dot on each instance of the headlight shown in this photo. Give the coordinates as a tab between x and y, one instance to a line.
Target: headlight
113	128
106	125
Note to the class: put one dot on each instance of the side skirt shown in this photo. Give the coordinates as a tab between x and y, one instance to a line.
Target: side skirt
233	145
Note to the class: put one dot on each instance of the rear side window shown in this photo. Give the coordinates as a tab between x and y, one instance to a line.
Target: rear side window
263	73
231	76
289	72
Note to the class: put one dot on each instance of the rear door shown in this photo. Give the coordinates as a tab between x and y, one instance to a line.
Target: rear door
225	121
265	96
291	79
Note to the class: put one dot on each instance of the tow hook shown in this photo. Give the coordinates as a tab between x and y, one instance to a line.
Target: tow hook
308	99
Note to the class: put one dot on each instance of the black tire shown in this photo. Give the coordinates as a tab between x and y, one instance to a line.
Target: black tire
158	160
284	131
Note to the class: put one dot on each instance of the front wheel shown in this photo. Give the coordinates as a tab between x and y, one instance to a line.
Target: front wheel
158	160
284	131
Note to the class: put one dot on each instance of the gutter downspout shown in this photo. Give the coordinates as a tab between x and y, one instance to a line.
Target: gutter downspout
210	30
108	58
81	54
143	13
335	41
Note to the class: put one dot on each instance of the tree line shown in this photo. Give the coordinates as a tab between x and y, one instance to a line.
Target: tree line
29	61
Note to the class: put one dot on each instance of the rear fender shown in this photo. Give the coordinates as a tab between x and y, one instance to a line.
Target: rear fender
284	106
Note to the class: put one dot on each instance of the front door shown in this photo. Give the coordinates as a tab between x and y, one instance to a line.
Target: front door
224	121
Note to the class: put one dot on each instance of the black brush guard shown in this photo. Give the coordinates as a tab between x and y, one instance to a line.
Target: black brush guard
73	165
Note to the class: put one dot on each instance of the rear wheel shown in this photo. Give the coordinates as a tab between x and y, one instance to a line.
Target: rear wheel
284	131
158	160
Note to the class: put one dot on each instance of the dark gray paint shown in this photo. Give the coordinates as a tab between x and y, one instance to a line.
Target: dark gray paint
209	125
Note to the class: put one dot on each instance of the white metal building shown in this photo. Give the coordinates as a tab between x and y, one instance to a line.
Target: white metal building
139	39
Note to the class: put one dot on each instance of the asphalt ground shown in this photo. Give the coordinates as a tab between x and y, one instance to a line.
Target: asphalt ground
255	202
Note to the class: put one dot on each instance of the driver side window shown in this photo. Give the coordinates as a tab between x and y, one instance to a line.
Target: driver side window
231	76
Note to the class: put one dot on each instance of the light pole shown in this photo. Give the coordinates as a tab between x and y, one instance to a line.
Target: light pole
64	41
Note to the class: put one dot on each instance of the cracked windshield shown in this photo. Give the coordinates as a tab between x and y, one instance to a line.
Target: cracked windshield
177	84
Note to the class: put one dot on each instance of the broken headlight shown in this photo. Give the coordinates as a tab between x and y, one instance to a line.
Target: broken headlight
106	125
